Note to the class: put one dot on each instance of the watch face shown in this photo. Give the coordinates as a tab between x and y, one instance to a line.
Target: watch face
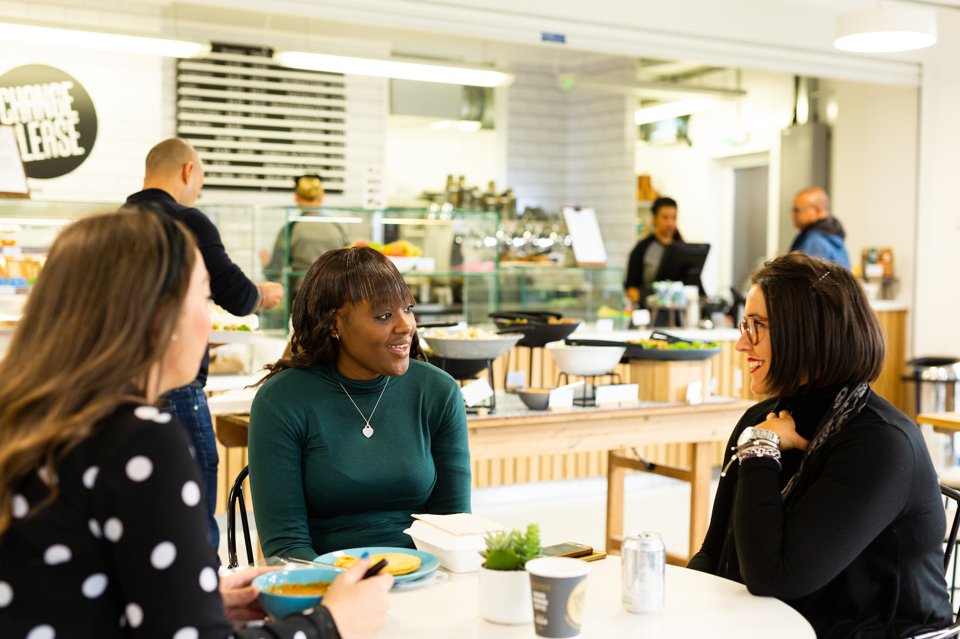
745	436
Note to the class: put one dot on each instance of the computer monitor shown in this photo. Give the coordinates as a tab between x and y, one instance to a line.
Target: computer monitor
682	262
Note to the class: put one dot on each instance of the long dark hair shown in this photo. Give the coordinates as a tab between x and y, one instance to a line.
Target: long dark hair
823	331
99	317
338	277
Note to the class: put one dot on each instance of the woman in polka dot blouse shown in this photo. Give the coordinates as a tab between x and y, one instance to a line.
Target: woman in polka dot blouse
102	529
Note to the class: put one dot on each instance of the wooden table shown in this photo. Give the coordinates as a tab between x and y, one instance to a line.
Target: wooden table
515	431
946	422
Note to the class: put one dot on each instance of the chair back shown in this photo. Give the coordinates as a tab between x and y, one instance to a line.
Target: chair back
235	502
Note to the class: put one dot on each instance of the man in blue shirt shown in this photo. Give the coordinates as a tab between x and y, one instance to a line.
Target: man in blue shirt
820	233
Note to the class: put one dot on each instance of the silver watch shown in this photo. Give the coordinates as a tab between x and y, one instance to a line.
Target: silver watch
751	433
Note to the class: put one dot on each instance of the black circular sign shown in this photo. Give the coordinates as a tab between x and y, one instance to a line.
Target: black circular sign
53	117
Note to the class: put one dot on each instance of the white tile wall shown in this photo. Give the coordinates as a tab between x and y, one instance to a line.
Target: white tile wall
573	148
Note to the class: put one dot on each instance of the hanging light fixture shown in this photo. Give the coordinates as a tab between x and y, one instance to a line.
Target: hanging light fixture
117	42
886	29
395	68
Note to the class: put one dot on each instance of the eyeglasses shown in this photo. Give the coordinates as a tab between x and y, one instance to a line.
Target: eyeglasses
751	325
797	209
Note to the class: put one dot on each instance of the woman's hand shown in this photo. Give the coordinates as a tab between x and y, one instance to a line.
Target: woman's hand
240	596
359	608
783	425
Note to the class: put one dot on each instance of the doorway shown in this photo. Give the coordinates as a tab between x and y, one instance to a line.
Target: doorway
750	206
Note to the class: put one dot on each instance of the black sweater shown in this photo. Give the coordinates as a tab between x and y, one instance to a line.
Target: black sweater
229	287
857	547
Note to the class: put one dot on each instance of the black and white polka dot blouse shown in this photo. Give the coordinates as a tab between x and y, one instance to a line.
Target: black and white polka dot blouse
122	551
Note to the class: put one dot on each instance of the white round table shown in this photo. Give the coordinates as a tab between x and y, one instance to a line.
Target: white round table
696	605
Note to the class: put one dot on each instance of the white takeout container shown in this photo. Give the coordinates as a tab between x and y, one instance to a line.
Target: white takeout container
457	553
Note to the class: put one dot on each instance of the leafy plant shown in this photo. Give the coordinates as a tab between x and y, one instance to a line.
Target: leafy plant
511	550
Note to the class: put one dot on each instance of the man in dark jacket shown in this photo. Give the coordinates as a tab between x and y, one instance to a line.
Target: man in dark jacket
171	184
820	234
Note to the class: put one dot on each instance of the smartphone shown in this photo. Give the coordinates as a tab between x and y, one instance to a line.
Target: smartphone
567	549
599	554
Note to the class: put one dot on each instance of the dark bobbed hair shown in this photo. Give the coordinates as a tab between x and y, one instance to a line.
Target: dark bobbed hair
338	277
661	202
823	331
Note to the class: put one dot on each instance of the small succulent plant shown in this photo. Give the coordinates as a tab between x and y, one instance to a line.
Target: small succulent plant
511	550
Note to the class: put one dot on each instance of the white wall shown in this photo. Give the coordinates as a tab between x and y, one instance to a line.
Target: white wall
419	159
873	171
126	94
937	299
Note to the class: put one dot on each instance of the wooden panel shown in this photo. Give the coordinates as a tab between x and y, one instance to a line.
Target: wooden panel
889	385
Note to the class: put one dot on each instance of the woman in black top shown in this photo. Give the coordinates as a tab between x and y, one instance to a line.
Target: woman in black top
829	500
101	508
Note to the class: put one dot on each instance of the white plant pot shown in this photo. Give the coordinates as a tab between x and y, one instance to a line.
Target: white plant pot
505	596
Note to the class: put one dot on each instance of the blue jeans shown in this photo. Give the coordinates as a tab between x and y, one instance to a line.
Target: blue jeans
189	406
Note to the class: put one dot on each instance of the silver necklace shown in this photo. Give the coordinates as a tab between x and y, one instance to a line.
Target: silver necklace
367	429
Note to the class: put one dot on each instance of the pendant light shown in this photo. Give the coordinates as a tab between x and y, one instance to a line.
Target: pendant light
886	29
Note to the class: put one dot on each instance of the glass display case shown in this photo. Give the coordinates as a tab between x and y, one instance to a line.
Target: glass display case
439	250
27	230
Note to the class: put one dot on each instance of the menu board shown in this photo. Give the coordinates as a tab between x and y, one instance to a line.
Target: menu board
13	179
588	248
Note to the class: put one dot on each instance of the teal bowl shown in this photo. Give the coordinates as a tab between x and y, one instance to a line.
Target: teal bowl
279	606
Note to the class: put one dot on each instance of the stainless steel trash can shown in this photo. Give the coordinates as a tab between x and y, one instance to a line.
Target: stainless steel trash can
935	382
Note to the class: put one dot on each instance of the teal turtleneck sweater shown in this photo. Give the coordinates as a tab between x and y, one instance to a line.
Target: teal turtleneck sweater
319	485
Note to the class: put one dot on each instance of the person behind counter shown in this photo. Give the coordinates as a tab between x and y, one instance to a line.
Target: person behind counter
171	184
353	432
307	240
830	501
102	530
644	261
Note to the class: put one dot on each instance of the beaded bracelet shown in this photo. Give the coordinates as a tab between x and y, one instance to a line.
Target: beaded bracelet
759	448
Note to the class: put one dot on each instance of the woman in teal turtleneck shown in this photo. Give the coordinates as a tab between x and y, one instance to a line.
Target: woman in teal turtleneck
349	436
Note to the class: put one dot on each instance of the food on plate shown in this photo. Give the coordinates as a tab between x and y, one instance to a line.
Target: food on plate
376	246
311	589
661	345
217	326
563	320
401	248
397	563
220	320
467	333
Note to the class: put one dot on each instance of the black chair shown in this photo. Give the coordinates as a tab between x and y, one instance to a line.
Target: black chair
951	502
235	501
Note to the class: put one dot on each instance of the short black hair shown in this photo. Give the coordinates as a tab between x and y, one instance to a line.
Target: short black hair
296	180
661	202
823	331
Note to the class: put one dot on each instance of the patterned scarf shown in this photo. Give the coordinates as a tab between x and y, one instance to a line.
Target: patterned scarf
846	405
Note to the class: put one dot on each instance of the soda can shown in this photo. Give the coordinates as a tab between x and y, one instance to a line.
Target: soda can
643	561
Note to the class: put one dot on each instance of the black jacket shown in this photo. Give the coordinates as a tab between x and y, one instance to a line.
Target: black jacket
857	547
229	287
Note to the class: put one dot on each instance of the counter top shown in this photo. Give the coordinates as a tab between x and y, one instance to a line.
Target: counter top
696	334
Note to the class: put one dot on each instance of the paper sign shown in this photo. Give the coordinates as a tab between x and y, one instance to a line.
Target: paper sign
516	379
13	179
582	226
617	393
695	392
476	391
560	398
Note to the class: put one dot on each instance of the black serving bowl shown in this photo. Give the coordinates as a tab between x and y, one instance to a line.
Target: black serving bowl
459	368
537	329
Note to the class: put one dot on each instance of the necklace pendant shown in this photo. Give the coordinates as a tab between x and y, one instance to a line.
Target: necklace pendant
368	431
